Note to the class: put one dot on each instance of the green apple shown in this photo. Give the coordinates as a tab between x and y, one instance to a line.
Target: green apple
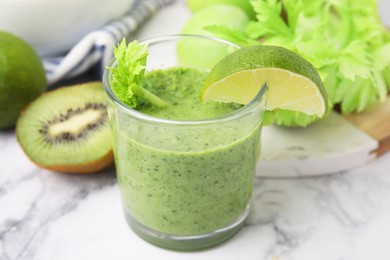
218	14
196	5
204	54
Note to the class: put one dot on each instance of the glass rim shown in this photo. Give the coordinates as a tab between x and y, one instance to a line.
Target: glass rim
245	109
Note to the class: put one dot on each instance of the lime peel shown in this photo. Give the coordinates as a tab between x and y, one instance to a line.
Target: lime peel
22	77
294	84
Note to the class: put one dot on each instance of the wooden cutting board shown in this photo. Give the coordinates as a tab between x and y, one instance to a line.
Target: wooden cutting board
376	123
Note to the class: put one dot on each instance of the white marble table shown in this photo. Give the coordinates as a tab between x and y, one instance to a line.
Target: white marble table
47	216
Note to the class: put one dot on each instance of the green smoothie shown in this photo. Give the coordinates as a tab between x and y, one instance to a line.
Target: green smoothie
181	87
185	181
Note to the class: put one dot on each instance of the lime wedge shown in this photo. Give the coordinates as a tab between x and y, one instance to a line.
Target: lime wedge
293	83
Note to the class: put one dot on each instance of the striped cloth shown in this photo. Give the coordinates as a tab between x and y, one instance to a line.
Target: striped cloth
94	51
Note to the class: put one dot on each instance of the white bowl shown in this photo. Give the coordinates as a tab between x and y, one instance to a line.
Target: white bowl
55	26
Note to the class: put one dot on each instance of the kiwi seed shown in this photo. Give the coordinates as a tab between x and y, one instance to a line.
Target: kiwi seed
70	136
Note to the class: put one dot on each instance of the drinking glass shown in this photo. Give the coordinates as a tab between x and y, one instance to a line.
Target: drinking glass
185	184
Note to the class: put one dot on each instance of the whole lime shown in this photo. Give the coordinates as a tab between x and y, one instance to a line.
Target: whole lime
22	77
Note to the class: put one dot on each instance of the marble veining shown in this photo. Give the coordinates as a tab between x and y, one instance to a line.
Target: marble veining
329	212
32	201
46	215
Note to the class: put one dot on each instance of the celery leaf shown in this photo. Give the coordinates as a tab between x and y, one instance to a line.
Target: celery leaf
128	73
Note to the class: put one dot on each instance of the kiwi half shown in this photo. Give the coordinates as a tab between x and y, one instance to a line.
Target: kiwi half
67	129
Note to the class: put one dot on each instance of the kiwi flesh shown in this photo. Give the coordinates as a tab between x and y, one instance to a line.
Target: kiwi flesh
67	130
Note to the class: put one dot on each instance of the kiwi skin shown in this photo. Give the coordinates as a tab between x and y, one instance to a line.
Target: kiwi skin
86	168
56	102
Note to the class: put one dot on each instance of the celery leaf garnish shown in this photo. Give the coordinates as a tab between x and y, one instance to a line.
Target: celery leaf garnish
128	74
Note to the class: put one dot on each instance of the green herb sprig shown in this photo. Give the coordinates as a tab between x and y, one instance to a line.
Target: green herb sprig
128	73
